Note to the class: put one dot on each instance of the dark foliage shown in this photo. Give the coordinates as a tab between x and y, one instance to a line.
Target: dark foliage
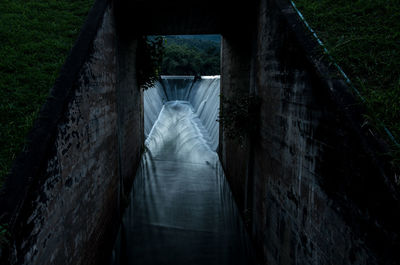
149	59
240	116
191	57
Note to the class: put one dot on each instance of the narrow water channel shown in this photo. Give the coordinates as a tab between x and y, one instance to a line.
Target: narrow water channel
181	210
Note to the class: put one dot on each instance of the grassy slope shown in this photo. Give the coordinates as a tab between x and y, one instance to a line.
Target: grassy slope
363	36
35	38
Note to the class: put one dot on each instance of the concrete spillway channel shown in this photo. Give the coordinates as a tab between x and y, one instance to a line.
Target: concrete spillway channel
181	209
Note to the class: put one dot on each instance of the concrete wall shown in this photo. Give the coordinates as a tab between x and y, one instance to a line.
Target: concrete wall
82	155
235	81
130	112
309	181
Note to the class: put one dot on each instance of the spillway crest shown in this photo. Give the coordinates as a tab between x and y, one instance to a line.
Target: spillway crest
181	209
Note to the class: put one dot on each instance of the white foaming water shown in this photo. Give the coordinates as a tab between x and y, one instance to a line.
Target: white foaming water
178	130
202	94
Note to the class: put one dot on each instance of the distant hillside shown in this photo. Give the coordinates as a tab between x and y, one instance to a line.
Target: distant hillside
191	55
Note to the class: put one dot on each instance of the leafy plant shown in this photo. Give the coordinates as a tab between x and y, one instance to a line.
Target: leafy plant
4	235
149	59
240	116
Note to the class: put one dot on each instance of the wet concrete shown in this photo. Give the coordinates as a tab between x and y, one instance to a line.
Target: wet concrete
181	210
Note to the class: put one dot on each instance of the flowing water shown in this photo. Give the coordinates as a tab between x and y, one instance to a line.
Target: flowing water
181	210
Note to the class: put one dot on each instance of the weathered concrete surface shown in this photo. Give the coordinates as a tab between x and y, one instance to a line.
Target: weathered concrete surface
318	192
72	207
159	17
94	135
130	113
235	79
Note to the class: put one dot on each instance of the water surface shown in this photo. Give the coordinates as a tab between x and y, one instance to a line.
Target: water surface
181	209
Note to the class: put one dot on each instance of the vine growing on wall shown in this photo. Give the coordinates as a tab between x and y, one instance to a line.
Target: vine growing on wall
149	59
239	116
4	237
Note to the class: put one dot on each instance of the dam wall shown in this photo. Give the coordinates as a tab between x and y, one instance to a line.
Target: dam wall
311	183
65	190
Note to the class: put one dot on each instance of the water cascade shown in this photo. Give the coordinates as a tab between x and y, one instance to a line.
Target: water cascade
181	210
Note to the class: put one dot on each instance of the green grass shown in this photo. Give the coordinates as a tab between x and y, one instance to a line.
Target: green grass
35	38
363	37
